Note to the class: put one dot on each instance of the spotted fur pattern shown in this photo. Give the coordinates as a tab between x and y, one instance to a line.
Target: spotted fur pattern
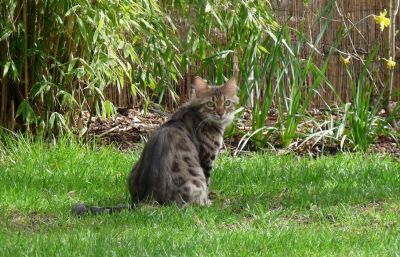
176	163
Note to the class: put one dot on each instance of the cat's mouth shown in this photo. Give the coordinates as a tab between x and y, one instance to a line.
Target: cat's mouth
221	119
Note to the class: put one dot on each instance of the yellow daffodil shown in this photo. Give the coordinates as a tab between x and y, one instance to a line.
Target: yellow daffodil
345	61
382	20
390	64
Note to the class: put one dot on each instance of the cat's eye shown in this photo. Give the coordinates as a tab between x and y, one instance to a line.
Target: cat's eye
210	104
227	102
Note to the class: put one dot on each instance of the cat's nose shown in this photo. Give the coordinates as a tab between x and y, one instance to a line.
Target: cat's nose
220	114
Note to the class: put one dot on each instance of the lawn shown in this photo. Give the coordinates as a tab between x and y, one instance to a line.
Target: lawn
343	205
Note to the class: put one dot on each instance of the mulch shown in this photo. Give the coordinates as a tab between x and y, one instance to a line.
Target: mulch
127	129
130	127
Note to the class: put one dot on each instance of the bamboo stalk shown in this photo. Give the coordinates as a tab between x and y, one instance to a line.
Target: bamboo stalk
4	45
12	116
26	70
33	37
4	86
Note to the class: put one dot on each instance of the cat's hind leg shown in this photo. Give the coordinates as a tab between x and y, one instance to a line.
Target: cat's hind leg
194	191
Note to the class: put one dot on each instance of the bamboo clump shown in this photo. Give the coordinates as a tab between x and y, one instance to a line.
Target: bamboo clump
65	47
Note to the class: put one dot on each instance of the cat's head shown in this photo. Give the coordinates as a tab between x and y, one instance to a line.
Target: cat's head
216	103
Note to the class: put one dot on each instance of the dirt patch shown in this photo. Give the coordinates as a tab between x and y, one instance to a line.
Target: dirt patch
299	219
386	145
369	207
33	221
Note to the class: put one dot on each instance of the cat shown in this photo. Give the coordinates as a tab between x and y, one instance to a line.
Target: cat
176	163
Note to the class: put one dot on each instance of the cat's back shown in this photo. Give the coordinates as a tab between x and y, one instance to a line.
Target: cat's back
170	148
185	118
177	130
173	135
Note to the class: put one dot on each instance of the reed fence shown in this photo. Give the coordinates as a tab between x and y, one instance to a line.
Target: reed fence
298	13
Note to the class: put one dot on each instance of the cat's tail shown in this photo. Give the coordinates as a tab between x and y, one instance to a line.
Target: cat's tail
80	209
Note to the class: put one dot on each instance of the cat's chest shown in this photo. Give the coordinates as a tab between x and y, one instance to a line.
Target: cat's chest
209	144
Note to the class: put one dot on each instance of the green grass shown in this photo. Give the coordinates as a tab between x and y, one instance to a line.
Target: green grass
346	205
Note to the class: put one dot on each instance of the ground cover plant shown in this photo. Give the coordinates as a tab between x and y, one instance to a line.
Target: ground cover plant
265	205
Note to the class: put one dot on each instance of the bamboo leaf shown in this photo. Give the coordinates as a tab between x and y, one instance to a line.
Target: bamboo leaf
51	121
26	112
71	65
134	89
5	68
109	109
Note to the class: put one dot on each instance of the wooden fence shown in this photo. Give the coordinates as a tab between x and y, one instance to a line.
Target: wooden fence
294	12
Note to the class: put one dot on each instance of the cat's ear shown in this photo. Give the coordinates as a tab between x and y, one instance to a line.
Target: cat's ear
230	87
200	86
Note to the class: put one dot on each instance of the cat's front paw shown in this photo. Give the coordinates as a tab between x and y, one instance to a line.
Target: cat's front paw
207	202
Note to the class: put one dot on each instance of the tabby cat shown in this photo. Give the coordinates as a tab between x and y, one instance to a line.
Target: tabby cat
176	163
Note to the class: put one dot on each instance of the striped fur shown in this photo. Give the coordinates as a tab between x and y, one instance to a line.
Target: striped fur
176	163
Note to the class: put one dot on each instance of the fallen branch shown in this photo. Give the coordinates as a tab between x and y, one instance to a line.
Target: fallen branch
107	132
